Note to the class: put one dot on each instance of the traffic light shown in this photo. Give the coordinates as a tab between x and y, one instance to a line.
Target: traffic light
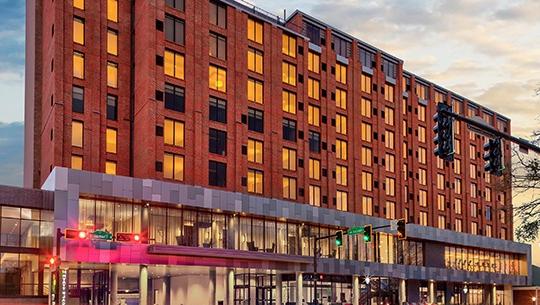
368	233
339	238
75	234
401	225
493	157
54	262
444	132
128	237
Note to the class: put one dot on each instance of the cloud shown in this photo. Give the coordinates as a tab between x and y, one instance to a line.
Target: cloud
11	153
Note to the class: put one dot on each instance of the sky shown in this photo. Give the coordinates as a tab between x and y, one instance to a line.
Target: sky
485	50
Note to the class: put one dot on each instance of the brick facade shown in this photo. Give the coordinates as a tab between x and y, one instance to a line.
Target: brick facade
142	80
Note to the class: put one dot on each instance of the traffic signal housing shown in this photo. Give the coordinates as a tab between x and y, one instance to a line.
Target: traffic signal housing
493	157
128	237
339	238
54	263
368	233
401	229
444	132
75	234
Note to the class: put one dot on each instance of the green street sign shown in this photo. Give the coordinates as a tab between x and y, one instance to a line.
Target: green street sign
355	230
102	235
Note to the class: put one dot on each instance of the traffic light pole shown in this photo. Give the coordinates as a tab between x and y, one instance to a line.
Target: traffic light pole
315	256
493	131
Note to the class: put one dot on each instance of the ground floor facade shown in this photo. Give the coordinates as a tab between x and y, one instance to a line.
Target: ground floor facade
205	246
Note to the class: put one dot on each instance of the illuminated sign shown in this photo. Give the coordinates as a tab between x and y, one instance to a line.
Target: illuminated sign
102	235
64	286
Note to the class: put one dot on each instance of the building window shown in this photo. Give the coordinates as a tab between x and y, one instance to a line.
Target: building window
314	142
289	130
365	108
341	46
474	228
78	65
78	30
255	151
217	142
421	113
440	181
112	42
422	176
174	64
289	188
442	222
112	10
217	174
217	78
255	120
389	116
422	198
177	4
366	132
77	99
341	175
389	139
423	219
341	74
174	98
255	181
367	181
218	110
421	134
173	133
457	206
390	184
289	159
341	201
422	155
289	45
390	210
218	14
389	93
255	91
173	167
459	225
314	62
315	195
341	124
289	101
341	99
314	33
78	4
288	73
367	205
390	163
314	88
365	83
76	162
314	115
314	169
441	204
112	107
112	74
366	156
111	140
255	60
218	46
255	31
110	167
341	149
77	129
174	29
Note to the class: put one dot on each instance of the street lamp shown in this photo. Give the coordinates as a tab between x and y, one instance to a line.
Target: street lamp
465	291
367	280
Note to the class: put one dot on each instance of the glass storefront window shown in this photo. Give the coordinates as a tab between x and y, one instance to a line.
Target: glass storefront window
10	232
19	274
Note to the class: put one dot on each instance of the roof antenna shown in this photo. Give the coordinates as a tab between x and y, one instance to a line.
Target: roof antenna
284	14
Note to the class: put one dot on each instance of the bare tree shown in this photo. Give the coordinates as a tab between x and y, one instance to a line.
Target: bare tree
525	178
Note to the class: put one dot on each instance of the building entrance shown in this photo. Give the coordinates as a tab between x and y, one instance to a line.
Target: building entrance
254	289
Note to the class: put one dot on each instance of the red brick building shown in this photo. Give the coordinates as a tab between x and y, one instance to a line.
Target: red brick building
217	94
